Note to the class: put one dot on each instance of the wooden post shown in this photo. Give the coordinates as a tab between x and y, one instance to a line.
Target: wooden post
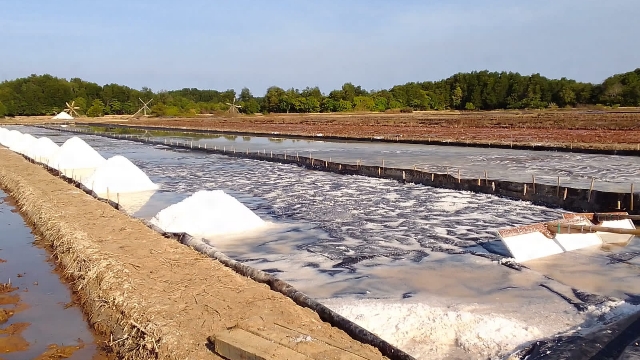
525	189
478	181
192	144
404	176
558	187
383	163
565	194
533	181
459	178
486	178
271	153
618	208
433	175
631	200
205	146
379	171
493	186
591	189
118	198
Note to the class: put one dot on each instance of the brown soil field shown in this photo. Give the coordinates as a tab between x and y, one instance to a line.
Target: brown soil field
612	130
615	129
152	297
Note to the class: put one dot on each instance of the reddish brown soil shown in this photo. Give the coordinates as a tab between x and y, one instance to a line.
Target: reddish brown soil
612	129
565	128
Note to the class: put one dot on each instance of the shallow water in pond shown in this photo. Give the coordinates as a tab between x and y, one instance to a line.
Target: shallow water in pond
352	238
611	173
45	322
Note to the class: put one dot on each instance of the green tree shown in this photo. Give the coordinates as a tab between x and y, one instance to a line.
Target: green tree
81	103
273	99
567	97
469	106
96	109
3	110
456	97
363	103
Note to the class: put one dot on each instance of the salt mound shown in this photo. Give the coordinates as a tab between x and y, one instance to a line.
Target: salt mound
12	137
42	149
22	143
119	175
3	135
75	154
206	214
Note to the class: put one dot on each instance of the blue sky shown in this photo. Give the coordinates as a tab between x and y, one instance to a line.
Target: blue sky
377	44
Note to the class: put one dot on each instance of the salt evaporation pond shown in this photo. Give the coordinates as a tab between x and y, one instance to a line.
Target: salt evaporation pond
422	259
612	173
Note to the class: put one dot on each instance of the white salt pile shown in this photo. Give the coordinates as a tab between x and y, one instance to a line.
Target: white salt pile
437	333
22	143
207	214
12	137
118	175
42	149
3	135
76	154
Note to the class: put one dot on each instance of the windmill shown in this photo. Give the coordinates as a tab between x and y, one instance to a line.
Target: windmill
233	108
71	109
144	108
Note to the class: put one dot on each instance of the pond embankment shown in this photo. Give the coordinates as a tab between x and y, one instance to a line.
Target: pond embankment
152	297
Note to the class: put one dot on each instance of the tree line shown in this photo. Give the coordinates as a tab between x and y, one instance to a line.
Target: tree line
478	90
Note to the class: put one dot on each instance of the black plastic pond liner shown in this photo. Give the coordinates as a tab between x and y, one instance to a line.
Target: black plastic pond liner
352	329
618	340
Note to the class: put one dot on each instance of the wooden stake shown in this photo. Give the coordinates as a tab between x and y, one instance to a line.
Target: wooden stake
631	200
382	162
404	176
565	194
591	189
459	178
618	208
493	186
486	178
433	175
533	181
525	189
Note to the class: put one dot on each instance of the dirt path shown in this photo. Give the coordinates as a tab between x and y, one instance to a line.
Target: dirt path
153	297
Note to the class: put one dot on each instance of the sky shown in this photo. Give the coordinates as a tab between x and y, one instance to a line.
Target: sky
220	44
